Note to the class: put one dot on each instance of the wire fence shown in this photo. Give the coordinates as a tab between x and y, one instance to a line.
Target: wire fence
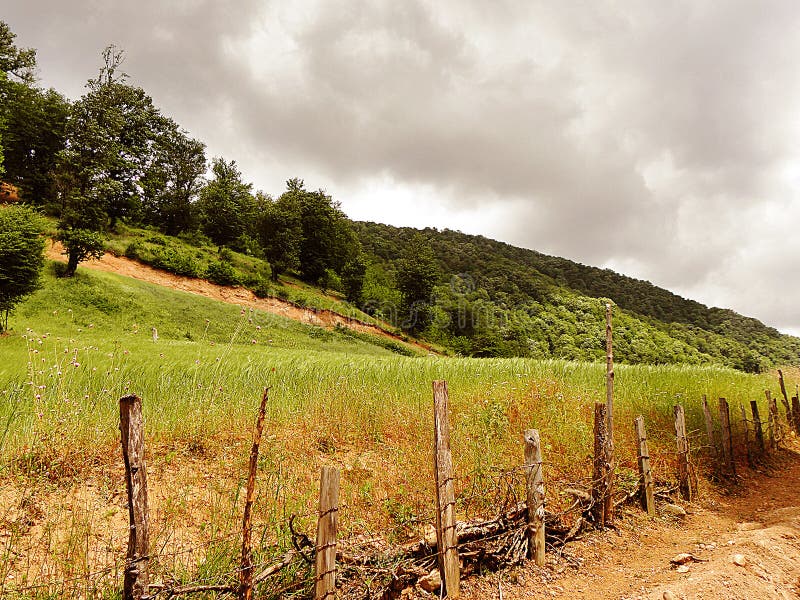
95	563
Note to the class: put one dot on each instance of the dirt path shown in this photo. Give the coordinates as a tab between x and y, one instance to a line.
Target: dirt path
232	295
761	523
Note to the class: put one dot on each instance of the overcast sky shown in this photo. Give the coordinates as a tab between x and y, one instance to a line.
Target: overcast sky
660	139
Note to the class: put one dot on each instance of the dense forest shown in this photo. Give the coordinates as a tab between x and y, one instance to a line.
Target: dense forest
112	160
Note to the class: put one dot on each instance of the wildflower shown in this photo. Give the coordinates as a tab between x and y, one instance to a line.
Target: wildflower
253	342
38	397
258	327
77	364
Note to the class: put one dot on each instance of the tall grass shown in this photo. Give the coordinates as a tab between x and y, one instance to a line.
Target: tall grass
78	346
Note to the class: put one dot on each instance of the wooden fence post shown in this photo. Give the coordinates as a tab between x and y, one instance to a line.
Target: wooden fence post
746	429
684	484
772	417
246	571
712	438
327	524
727	437
608	508
446	536
131	424
645	474
602	465
785	399
795	414
535	496
757	429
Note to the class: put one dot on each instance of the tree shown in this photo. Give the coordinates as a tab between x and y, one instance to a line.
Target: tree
172	182
33	136
80	245
281	234
21	257
353	275
416	278
17	65
308	232
226	205
111	140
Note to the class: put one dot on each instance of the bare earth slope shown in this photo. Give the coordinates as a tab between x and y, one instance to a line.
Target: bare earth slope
232	295
760	522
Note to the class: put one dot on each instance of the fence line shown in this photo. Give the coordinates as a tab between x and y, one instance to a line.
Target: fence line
530	534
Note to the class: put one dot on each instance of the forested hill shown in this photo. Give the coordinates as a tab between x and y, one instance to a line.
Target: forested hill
505	278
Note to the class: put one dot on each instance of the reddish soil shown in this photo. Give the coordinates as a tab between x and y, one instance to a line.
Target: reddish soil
758	520
232	295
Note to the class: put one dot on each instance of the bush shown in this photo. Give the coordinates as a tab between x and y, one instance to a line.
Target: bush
262	288
198	239
171	259
133	250
222	272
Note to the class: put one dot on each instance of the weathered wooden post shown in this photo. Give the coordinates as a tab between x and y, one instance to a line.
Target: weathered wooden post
327	525
131	424
795	414
535	495
785	398
757	428
602	465
727	437
246	571
609	502
712	438
446	536
772	417
746	430
645	474
684	485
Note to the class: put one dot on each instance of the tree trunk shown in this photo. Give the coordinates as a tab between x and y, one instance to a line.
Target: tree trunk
72	263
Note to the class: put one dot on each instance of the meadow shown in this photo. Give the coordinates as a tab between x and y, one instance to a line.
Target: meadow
77	346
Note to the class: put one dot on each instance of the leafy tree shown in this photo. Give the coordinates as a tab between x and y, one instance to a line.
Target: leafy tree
417	274
226	205
308	232
34	134
281	233
80	245
16	63
173	180
16	66
21	257
353	275
111	134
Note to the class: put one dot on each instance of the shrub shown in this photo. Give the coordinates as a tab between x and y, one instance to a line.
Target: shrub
222	272
171	259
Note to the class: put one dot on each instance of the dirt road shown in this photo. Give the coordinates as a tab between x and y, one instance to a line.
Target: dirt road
758	522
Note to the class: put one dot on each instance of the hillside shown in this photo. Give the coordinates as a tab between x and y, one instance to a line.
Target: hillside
497	299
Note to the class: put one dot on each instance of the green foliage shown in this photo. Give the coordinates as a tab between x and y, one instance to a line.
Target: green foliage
174	260
227	207
222	272
113	133
306	232
173	180
507	301
21	257
417	273
81	245
353	275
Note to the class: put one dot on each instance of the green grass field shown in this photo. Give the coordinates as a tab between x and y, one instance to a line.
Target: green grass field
77	345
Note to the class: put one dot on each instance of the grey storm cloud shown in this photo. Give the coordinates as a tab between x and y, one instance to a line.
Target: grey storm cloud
656	138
